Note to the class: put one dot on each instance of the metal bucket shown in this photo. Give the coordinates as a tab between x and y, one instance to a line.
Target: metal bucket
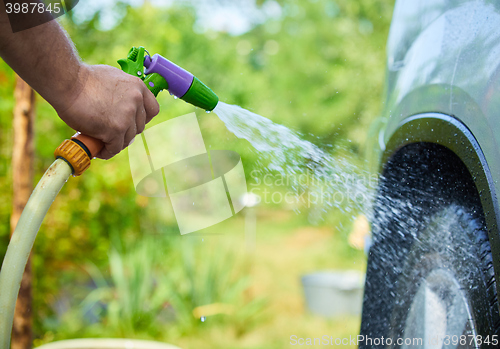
333	293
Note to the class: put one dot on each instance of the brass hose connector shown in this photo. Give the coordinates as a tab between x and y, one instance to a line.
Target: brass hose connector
75	154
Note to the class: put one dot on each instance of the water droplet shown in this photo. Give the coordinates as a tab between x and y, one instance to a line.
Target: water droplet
175	97
207	111
203	318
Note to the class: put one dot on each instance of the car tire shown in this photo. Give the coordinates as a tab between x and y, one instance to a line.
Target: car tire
430	274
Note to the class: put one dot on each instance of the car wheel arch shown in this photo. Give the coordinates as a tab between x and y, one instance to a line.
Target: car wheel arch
449	132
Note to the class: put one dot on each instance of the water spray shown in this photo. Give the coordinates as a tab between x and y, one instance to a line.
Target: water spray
73	156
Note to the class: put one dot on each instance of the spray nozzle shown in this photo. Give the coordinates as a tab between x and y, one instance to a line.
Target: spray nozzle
160	74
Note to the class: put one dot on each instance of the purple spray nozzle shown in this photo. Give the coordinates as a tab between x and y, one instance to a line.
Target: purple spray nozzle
160	74
179	80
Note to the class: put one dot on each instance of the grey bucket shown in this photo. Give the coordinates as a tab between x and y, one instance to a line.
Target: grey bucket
333	293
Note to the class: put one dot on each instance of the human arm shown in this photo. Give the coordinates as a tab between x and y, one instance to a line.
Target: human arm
100	101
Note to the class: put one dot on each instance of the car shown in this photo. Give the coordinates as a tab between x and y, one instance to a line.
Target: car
434	263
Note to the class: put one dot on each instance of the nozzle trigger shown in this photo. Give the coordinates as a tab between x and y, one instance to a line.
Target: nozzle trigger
134	63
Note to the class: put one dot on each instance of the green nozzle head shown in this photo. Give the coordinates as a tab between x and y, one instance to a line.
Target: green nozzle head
201	96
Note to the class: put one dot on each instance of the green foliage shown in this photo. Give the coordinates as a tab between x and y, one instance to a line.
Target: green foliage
7	81
158	282
318	70
131	299
212	274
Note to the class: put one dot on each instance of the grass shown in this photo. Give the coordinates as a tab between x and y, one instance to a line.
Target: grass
157	289
287	247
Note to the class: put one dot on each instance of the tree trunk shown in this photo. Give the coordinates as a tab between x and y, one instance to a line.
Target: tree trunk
22	183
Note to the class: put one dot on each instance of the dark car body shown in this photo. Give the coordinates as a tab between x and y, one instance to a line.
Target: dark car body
434	266
443	86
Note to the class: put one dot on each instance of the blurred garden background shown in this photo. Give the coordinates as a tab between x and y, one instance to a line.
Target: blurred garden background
110	263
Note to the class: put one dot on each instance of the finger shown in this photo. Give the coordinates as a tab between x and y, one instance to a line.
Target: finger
105	154
111	149
112	146
140	119
129	136
150	104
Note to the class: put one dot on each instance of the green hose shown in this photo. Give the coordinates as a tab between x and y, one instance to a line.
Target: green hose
22	241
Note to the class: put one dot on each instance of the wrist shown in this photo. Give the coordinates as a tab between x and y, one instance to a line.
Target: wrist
70	88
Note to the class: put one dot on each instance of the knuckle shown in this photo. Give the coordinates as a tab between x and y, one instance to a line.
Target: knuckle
136	96
140	128
120	127
130	110
155	109
113	148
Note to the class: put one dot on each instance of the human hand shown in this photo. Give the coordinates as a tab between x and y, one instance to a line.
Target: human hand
109	105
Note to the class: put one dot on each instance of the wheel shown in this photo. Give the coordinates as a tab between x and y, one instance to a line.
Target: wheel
442	293
430	280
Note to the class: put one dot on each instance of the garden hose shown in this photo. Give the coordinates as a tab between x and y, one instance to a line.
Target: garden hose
73	157
22	240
